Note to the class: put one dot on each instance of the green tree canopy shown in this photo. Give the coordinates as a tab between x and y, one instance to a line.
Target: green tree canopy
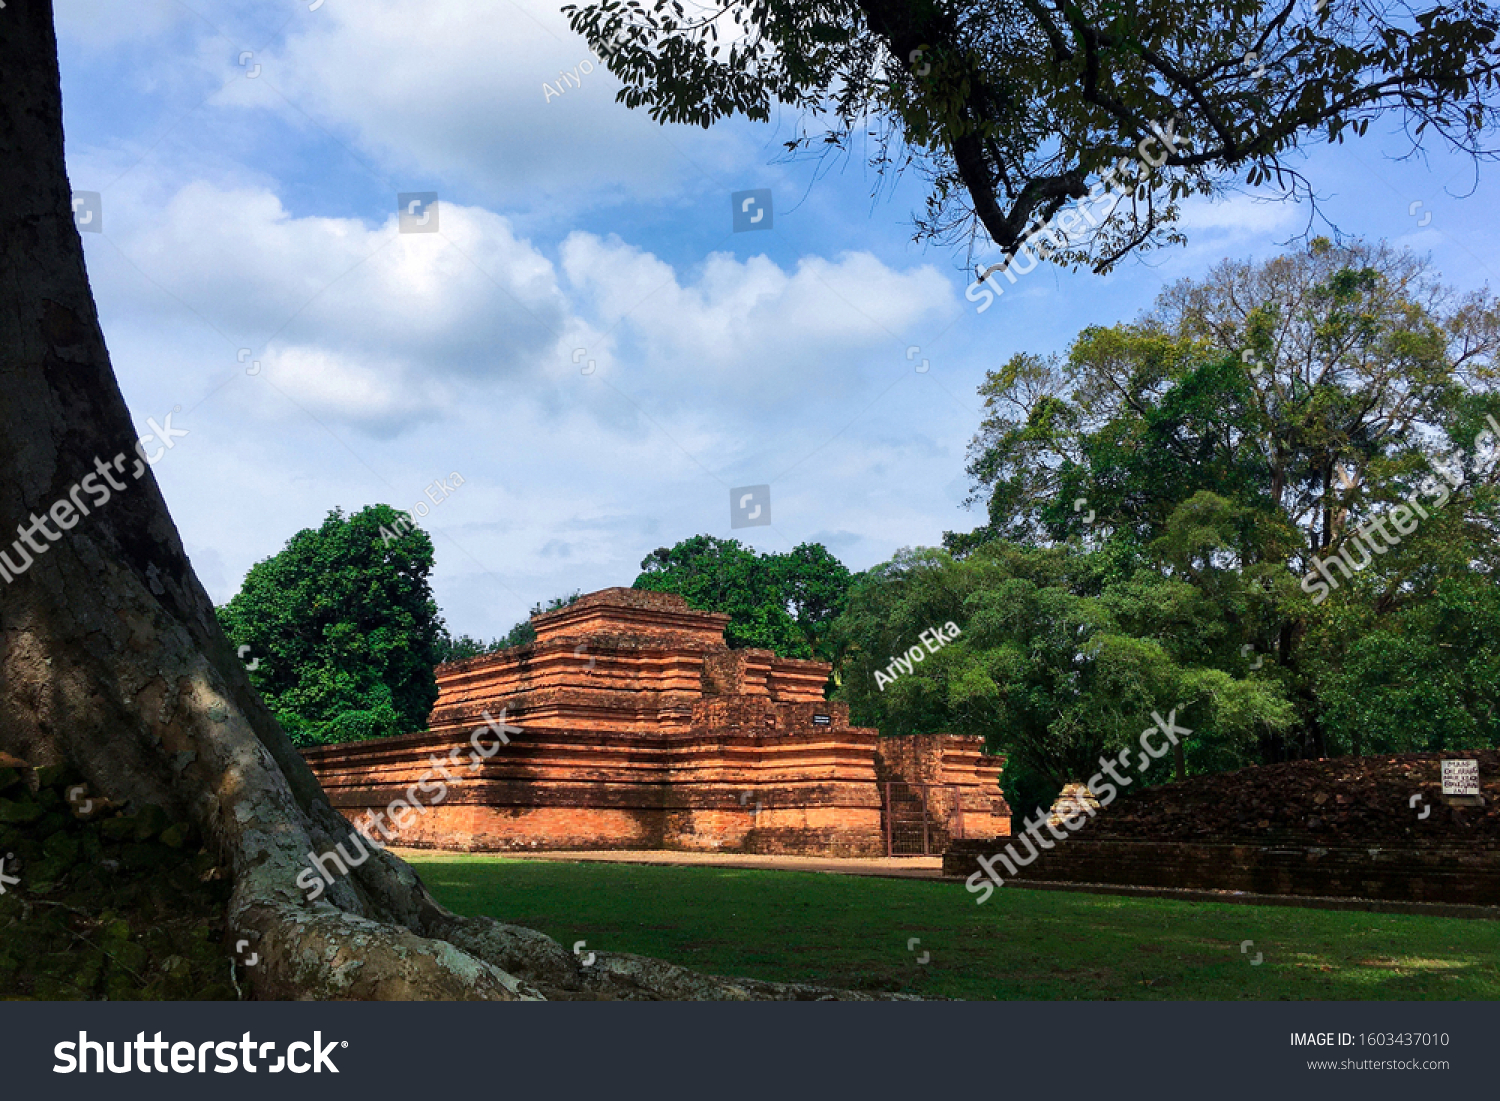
342	629
1284	386
779	602
521	634
1063	655
1012	109
1260	423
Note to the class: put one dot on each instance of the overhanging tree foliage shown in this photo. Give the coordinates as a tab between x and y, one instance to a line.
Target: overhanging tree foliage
1013	108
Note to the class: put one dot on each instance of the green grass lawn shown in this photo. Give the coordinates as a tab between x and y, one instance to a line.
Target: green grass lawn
852	932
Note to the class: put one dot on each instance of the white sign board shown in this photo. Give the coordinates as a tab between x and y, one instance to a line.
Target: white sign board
1460	777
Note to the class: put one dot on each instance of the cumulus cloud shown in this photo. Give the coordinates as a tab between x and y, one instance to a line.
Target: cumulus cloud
749	331
361	322
458	91
1237	216
383	330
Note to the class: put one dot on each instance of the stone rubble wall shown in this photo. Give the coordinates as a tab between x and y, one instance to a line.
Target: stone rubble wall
1404	872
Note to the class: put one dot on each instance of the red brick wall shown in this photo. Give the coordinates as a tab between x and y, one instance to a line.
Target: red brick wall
1468	873
641	729
954	761
572	789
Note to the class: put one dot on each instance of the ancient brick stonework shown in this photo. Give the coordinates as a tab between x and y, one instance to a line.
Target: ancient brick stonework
1402	871
640	728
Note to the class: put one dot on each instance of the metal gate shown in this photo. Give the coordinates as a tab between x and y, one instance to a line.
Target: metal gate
920	819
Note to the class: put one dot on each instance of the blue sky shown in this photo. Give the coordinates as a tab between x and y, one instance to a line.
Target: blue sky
258	212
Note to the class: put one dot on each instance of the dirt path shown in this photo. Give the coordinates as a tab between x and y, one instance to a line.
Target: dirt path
901	867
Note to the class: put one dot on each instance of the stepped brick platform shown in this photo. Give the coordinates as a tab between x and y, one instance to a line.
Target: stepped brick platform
641	729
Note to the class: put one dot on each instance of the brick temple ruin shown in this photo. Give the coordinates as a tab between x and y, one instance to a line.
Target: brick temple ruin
641	729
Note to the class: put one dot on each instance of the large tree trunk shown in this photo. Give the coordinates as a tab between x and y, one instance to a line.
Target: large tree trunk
111	659
110	656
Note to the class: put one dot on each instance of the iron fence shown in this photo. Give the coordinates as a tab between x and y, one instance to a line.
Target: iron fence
921	819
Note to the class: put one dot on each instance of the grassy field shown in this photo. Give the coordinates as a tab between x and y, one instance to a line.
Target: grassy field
853	931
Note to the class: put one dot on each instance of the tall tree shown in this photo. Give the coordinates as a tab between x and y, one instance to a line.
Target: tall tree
1287	385
1013	108
1255	435
340	629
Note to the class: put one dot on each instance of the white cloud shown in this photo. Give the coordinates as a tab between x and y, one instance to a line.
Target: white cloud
455	91
384	330
748	332
362	323
1237	217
